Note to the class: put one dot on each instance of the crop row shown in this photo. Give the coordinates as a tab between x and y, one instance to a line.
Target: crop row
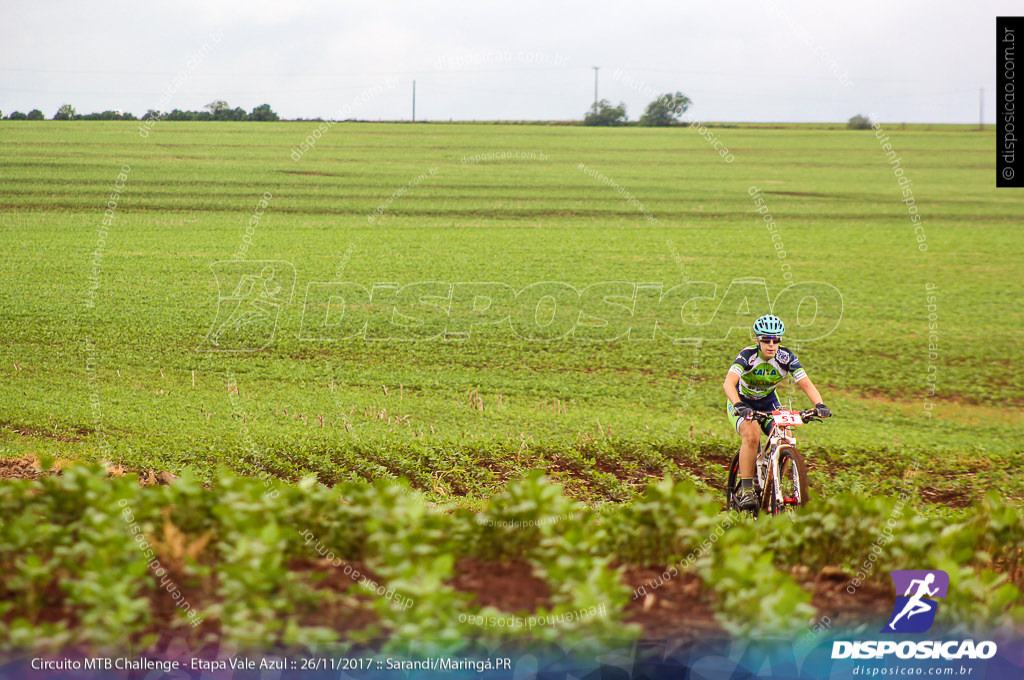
95	562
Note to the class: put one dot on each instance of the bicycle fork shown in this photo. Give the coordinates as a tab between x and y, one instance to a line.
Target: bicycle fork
763	467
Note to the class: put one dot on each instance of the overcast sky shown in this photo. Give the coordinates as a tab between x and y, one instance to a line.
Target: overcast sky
741	60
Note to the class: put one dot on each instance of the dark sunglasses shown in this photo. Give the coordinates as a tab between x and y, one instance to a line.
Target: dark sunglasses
770	339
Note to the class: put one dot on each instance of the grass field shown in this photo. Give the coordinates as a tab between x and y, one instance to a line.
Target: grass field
624	268
380	203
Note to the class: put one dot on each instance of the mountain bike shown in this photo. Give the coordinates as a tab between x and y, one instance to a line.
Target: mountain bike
781	478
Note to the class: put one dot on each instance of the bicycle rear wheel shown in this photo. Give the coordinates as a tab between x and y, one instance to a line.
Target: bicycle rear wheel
789	487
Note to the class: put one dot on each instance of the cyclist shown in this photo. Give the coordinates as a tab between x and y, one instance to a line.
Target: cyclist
750	386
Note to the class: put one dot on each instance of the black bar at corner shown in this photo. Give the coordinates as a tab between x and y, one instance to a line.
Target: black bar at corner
1009	159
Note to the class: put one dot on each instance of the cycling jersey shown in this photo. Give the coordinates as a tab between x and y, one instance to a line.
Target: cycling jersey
759	377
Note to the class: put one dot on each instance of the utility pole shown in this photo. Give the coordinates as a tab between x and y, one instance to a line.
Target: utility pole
595	86
414	101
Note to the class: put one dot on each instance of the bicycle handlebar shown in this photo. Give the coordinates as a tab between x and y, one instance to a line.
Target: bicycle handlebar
809	416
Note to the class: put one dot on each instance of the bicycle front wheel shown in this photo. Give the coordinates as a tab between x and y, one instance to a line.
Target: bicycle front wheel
789	486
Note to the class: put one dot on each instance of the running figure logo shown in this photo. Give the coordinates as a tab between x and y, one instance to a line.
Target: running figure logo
912	613
247	316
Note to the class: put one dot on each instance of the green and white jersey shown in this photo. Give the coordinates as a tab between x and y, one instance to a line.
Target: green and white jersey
759	377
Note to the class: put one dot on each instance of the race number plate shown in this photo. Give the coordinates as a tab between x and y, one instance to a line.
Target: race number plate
787	418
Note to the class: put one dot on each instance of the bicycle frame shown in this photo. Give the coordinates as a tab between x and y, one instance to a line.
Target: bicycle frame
780	436
769	459
780	479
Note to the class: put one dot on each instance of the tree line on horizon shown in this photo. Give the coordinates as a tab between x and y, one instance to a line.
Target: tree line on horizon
664	111
216	110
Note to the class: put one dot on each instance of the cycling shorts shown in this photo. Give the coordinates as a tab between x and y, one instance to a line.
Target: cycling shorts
769	403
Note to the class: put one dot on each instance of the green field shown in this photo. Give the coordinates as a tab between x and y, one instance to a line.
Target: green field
458	417
108	357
